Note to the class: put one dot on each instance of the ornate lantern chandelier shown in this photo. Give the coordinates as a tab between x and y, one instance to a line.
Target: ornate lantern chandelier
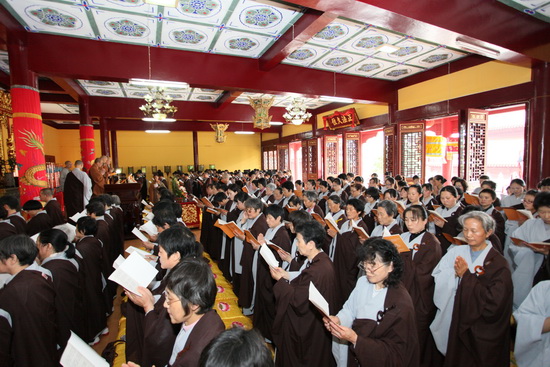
157	106
296	112
261	106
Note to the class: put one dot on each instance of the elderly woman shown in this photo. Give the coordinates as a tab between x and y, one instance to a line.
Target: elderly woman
387	211
473	296
310	203
419	262
189	296
376	326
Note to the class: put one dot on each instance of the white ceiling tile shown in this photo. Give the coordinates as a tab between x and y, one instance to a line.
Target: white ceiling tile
407	50
262	18
127	28
241	44
203	11
337	61
306	55
369	67
187	36
436	57
336	33
398	72
367	42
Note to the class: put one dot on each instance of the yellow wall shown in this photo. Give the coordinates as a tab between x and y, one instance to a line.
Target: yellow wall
363	111
65	144
238	151
480	78
295	129
269	136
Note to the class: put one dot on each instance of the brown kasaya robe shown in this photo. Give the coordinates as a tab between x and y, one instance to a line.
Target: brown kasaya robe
19	222
450	227
40	222
73	190
298	330
53	208
7	229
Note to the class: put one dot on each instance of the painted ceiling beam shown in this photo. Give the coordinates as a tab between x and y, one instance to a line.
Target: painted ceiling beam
444	21
98	60
309	24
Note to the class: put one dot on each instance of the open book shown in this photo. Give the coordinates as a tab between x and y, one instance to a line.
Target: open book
433	214
471	199
400	206
290	210
268	256
539	245
143	253
77	216
318	300
136	232
331	224
318	218
149	228
274	247
517	214
363	235
455	240
229	228
135	271
207	202
398	242
68	229
250	238
78	353
298	193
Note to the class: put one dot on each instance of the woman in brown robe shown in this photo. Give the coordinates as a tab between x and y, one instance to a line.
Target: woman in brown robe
298	330
376	326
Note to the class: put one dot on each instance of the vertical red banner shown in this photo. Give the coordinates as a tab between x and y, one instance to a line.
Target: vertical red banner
87	145
29	141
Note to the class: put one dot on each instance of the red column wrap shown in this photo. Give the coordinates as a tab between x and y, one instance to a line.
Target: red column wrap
87	145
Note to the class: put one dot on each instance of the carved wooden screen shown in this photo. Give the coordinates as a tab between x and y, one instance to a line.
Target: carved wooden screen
389	150
476	137
312	152
411	140
269	158
272	154
265	159
283	156
305	160
332	152
352	152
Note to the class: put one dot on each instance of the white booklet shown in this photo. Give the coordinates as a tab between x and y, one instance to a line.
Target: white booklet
268	256
69	230
318	300
77	216
136	232
150	228
119	260
79	354
135	271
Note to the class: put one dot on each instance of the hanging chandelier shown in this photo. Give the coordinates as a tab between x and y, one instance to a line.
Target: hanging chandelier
261	118
157	106
296	112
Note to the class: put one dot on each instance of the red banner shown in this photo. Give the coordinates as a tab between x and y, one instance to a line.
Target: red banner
29	141
340	119
87	145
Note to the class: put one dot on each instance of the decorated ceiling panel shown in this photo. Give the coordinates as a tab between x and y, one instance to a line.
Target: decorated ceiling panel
538	8
349	47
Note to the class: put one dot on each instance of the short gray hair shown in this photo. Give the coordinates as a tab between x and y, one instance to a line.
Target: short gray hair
311	195
487	222
271	186
389	206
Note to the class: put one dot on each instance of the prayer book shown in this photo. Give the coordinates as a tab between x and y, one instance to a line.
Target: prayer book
471	199
433	215
136	232
290	210
400	207
539	245
363	235
268	256
79	354
149	228
207	202
298	193
69	230
318	218
135	271
398	242
77	216
231	229
250	238
459	240
274	247
318	300
332	224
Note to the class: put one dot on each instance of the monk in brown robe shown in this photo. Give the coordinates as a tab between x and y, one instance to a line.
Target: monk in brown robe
39	219
11	204
6	227
298	330
52	207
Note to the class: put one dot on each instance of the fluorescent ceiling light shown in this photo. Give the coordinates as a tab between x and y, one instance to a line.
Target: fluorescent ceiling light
477	49
244	132
387	48
157	131
276	123
336	99
158	83
152	119
169	3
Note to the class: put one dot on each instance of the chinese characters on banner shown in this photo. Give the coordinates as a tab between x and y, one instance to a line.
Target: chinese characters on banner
340	119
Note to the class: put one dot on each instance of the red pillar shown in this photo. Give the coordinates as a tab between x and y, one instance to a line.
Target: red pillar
87	142
538	127
114	149
104	136
27	121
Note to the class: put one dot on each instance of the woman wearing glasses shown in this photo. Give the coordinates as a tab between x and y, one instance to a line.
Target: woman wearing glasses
376	326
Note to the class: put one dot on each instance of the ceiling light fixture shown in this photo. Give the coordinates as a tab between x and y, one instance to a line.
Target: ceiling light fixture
244	132
387	48
276	123
157	106
296	112
169	3
157	131
336	99
158	83
477	49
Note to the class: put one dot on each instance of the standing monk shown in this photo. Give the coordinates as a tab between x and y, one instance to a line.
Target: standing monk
97	174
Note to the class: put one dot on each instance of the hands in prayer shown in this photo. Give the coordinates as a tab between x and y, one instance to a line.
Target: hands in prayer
461	266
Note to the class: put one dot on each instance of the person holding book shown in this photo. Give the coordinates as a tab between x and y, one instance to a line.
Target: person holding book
254	221
448	212
287	188
419	263
386	217
92	264
473	296
298	330
150	335
310	203
56	254
237	245
372	197
293	261
530	262
324	193
517	192
343	251
376	325
428	199
27	307
487	199
215	238
264	304
511	224
337	189
356	192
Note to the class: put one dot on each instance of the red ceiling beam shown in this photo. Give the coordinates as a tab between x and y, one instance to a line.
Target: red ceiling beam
56	98
90	59
60	116
139	125
49	86
226	98
309	24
